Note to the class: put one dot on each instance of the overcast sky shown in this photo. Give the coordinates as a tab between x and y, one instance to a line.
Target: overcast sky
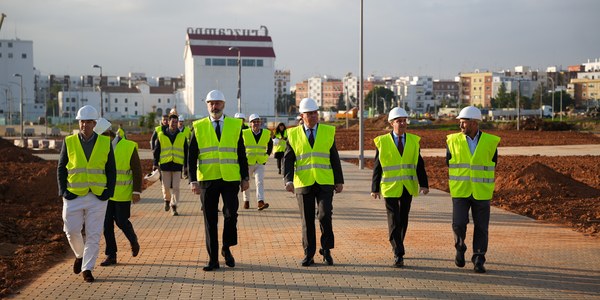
439	38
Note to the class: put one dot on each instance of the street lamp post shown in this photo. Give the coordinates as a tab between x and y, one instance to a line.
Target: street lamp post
100	87
552	97
239	63
21	113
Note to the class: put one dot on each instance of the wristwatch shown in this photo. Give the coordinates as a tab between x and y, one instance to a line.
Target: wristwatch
246	178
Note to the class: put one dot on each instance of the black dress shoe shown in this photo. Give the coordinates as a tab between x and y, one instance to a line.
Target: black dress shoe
398	262
77	265
479	268
327	259
229	260
108	261
210	267
135	248
87	276
307	261
459	260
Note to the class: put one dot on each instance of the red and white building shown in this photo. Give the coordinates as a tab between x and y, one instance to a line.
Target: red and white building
210	64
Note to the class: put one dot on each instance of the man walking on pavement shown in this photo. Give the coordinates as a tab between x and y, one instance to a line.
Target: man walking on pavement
398	176
218	167
86	180
313	171
258	148
170	156
128	189
164	123
471	157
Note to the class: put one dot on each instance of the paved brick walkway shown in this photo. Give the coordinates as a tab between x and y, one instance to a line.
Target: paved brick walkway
527	259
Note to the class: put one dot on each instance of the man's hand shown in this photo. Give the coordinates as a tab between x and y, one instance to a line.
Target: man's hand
195	188
339	188
289	187
376	195
424	190
245	185
136	198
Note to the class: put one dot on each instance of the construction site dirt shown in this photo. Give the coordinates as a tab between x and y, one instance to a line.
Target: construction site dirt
563	190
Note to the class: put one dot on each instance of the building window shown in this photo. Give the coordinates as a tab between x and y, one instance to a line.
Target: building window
135	104
125	100
248	62
126	109
116	100
116	109
218	62
232	62
9	44
168	100
158	100
24	55
259	62
136	113
207	61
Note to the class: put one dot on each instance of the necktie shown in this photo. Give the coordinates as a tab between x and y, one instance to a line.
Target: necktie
400	145
218	130
311	138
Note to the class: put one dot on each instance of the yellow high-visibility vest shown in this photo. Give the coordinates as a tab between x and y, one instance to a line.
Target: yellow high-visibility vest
399	171
281	146
472	174
124	184
218	159
312	164
256	152
171	152
83	175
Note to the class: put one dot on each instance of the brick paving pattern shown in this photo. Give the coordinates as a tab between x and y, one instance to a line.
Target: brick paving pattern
526	259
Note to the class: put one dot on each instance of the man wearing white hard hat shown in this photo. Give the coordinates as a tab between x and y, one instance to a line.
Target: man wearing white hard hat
218	167
128	190
398	176
313	171
471	157
241	116
258	148
86	180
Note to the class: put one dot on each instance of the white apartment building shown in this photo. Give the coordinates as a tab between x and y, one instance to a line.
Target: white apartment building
592	66
16	57
210	64
415	93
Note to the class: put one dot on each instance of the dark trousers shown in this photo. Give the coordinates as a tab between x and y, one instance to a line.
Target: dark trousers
397	217
306	203
279	157
117	212
480	210
209	196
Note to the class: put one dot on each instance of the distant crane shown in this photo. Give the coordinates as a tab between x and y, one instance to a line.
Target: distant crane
2	16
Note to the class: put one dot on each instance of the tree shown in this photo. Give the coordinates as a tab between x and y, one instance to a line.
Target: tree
504	99
380	98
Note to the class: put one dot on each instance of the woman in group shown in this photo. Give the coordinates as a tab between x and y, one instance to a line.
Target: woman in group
281	137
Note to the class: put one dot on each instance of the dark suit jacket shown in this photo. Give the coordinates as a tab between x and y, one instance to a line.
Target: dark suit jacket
378	171
192	161
290	158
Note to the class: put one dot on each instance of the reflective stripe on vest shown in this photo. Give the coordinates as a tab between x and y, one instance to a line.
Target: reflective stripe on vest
83	175
472	174
171	152
218	159
256	152
124	185
399	171
312	164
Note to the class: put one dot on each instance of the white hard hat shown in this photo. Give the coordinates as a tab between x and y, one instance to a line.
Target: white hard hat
102	125
253	117
181	119
87	112
154	176
215	95
470	112
239	116
308	104
276	141
397	112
